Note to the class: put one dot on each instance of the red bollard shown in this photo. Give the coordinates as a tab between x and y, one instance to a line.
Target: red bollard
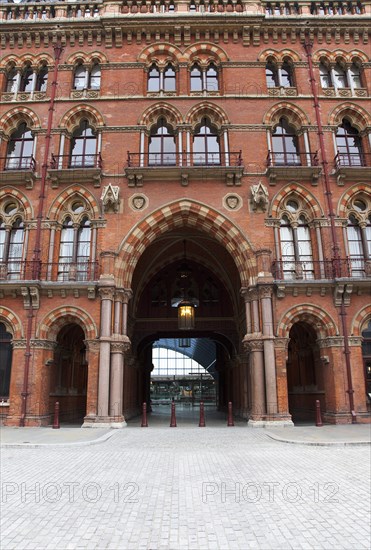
144	423
202	424
56	425
173	418
230	414
318	414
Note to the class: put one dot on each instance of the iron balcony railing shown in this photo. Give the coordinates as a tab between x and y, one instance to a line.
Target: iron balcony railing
152	160
70	162
292	159
316	270
352	159
15	270
18	163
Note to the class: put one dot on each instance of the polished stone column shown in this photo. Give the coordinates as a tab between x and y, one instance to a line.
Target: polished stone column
265	293
92	348
105	350
116	382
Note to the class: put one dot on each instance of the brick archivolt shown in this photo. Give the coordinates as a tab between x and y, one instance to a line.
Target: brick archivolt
340	55
294	115
12	118
204	52
185	213
318	318
361	189
73	117
360	321
8	192
217	116
160	51
26	59
70	194
303	195
153	113
358	117
53	321
87	58
12	323
279	55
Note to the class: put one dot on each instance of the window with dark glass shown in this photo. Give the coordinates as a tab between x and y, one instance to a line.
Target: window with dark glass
286	75
11	81
285	145
206	144
271	75
42	79
211	74
153	79
11	247
349	145
5	360
325	76
204	79
340	74
20	149
355	75
26	80
196	79
359	245
169	79
83	147
162	144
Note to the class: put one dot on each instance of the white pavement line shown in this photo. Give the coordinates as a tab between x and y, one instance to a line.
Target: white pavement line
100	439
318	443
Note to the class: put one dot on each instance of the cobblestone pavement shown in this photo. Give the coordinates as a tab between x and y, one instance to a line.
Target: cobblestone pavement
186	488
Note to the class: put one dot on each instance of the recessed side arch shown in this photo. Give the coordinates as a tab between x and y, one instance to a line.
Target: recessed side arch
162	49
11	192
12	322
295	189
153	113
358	116
11	119
205	108
73	117
321	321
278	55
347	196
51	324
295	116
74	191
205	49
185	213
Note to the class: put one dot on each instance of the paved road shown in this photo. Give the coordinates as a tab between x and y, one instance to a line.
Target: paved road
186	488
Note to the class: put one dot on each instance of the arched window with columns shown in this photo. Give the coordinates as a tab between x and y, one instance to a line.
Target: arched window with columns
206	144
161	79
162	144
349	147
285	144
12	237
204	78
83	152
75	249
358	236
20	149
5	360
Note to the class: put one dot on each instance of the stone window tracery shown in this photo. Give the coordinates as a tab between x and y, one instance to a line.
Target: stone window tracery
12	237
20	149
161	79
358	235
204	78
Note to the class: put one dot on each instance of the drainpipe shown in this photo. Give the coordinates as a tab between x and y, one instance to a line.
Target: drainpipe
37	249
335	245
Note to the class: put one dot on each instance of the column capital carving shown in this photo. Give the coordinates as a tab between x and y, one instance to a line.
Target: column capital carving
249	293
265	291
92	346
43	344
355	341
120	347
18	344
253	342
281	343
106	293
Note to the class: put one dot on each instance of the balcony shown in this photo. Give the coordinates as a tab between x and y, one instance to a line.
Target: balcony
289	166
78	272
75	168
337	277
145	167
352	165
18	170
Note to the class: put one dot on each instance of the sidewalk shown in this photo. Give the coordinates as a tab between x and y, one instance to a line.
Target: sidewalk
66	436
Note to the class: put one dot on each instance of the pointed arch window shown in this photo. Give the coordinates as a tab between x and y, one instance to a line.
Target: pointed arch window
355	75
296	249
349	145
5	360
27	80
287	79
206	144
196	79
79	78
205	79
74	250
359	245
20	149
340	76
83	147
271	75
162	145
366	354
161	80
276	75
285	145
169	79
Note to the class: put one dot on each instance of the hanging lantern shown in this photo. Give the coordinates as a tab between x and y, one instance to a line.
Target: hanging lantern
186	315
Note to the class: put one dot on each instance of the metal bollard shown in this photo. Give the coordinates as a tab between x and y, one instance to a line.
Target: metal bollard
173	418
318	414
56	425
144	423
201	423
230	414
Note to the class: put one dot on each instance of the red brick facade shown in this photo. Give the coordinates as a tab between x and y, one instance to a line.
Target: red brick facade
241	128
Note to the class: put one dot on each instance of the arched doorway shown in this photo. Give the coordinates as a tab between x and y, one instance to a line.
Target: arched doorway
68	376
213	287
5	361
304	373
